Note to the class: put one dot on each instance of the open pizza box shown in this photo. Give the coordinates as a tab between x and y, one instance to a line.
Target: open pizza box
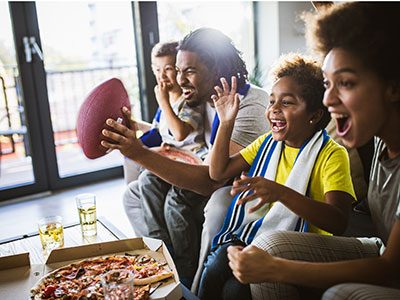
17	276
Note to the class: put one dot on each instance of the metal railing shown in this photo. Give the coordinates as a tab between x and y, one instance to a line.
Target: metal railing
66	92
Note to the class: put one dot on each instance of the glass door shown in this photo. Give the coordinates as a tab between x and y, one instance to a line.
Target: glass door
16	168
62	51
90	43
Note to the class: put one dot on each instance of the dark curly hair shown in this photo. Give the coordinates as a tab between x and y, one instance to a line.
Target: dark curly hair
368	30
217	52
164	49
306	72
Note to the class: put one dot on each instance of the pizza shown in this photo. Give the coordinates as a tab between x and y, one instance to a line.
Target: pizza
82	280
179	155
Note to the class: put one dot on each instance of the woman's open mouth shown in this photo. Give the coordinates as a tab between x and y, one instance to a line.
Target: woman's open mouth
343	123
278	125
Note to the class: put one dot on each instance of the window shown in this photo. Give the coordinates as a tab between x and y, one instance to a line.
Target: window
235	19
89	43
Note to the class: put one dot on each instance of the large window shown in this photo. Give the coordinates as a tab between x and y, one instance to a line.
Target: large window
52	54
90	42
235	19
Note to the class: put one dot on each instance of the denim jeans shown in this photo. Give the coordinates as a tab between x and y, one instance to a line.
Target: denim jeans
217	280
175	216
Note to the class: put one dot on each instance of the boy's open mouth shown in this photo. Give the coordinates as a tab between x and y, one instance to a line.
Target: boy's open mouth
278	125
343	123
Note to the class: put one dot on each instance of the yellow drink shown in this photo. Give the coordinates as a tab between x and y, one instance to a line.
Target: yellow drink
87	218
51	234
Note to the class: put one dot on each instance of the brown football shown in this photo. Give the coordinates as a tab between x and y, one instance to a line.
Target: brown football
103	102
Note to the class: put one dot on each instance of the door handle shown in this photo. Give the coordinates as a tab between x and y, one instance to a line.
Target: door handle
35	47
31	47
27	49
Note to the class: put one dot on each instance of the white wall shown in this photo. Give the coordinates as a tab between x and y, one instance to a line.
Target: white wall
279	30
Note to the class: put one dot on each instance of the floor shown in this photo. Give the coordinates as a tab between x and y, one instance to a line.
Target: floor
17	219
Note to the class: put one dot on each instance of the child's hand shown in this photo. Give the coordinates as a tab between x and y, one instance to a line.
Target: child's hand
166	147
226	101
266	191
123	138
162	95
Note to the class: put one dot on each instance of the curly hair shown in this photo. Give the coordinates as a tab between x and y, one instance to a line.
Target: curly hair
164	49
217	52
306	72
368	30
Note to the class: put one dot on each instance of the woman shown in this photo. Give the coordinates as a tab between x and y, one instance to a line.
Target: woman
362	81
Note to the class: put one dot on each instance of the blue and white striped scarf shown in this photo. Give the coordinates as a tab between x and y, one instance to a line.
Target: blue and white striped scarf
245	226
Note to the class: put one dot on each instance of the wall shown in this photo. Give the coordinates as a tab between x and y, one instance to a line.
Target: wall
279	30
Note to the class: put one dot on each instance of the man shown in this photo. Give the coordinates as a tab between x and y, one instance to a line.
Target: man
204	56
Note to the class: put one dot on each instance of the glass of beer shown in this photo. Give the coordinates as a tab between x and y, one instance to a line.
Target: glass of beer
118	285
51	233
86	204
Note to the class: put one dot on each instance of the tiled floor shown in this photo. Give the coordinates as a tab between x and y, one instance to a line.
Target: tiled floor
19	218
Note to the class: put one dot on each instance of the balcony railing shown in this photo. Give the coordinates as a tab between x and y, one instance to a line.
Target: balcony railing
66	92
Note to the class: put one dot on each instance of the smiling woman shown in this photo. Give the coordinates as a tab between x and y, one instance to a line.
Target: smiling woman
347	80
362	80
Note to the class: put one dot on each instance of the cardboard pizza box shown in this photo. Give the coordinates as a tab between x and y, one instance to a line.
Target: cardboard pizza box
17	276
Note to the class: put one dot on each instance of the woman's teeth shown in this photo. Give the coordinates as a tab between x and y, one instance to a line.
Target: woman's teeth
339	116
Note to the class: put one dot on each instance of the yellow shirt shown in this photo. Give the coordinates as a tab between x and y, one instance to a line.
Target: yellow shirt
331	170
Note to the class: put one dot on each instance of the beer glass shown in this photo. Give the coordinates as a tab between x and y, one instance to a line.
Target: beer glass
86	204
51	233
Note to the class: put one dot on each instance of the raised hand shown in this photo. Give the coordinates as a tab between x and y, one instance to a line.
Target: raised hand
122	138
266	191
251	264
162	94
226	101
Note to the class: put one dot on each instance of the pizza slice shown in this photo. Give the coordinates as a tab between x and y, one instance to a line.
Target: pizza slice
147	270
179	155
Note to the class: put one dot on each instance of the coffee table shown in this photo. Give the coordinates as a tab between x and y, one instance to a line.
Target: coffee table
72	237
30	242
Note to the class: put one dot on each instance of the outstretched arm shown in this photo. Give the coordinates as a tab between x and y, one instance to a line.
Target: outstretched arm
226	102
186	176
179	129
253	265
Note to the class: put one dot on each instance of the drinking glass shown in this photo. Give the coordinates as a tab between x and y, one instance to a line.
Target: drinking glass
86	204
51	233
118	285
